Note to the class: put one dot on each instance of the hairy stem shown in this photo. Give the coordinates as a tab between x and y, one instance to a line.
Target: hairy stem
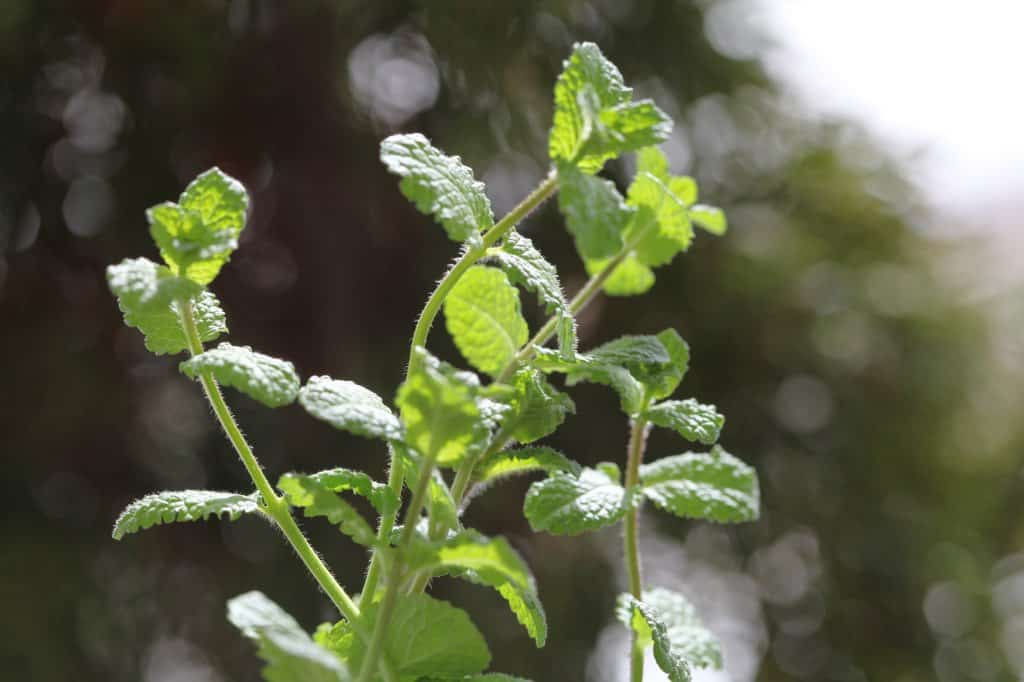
276	508
635	456
422	331
395	575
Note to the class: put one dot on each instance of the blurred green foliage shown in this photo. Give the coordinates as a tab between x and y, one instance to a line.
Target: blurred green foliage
858	379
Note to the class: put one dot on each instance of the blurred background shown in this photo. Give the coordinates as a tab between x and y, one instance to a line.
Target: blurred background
859	325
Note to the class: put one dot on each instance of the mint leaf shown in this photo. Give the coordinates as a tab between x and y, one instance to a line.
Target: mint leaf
316	499
624	128
634	352
569	505
661	225
483	315
425	637
645	621
714	486
690	419
181	505
491	562
687	635
525	266
197	235
348	406
290	654
147	295
594	119
662	380
439	185
271	381
340	480
438	407
630	277
537	407
523	461
710	218
585	368
595	213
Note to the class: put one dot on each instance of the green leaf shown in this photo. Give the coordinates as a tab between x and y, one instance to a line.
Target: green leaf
570	505
491	562
348	406
439	185
630	277
147	294
181	505
537	407
522	461
290	654
710	218
340	480
483	315
625	128
634	352
594	119
197	235
271	381
595	213
687	635
525	266
661	225
662	380
584	368
643	619
316	499
690	419
714	486
438	407
425	637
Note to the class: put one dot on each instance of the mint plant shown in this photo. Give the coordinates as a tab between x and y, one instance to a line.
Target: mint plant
450	434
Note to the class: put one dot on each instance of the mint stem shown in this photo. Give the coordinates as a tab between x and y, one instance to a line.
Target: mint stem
635	456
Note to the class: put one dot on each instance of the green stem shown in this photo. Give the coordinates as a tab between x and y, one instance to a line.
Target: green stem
396	478
277	509
395	576
578	303
635	456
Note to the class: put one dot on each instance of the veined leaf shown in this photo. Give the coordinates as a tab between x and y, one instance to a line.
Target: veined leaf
661	225
316	499
483	315
690	419
634	352
595	213
644	620
594	119
197	235
714	486
537	407
662	380
710	218
526	266
491	562
439	185
584	368
181	505
570	505
624	128
687	635
340	480
439	409
271	381
523	461
425	637
348	406
630	277
147	295
290	654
